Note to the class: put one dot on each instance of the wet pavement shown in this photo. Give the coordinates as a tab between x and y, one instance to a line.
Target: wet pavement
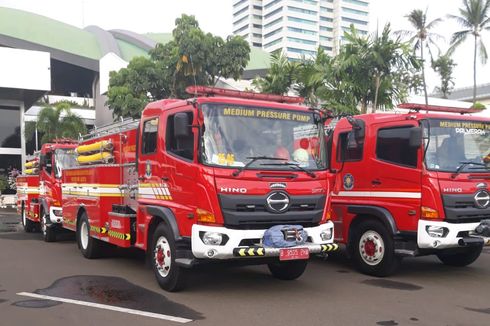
424	292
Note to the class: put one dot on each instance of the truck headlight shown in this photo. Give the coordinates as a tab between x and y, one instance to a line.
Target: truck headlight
436	231
57	212
212	238
326	235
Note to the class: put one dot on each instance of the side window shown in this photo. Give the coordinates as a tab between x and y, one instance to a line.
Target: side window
346	154
48	163
180	139
149	139
393	145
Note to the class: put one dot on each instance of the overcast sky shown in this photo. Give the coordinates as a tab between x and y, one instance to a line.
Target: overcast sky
215	16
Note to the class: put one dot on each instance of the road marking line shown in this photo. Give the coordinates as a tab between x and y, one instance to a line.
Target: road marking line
107	307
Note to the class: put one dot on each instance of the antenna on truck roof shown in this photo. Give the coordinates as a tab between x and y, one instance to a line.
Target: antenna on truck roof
437	108
210	91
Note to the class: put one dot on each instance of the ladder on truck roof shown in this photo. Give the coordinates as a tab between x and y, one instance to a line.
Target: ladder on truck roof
111	128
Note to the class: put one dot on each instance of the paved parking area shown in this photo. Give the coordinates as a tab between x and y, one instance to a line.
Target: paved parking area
330	292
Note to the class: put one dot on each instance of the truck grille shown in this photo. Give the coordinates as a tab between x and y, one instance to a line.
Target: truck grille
250	212
462	209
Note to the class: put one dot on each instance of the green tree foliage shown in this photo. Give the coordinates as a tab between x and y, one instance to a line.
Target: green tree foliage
421	37
280	77
474	18
57	122
444	67
192	57
4	185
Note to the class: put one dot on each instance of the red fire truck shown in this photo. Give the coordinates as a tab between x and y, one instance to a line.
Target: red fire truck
411	184
203	179
27	185
54	158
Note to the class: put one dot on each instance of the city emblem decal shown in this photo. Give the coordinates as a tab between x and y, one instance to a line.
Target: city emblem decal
348	181
148	169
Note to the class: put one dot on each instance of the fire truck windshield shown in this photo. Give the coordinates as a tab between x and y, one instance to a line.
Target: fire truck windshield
63	158
233	134
457	145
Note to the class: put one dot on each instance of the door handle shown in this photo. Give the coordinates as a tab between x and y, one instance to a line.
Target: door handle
376	182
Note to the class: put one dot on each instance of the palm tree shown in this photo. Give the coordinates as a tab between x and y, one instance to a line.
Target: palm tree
474	17
444	66
57	122
280	77
422	37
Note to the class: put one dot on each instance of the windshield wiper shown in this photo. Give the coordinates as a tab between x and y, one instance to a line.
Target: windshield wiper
253	159
463	164
299	167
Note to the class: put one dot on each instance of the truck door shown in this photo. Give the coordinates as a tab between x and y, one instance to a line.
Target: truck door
396	173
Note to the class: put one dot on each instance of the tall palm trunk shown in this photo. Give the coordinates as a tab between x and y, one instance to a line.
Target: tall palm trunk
423	71
474	70
378	82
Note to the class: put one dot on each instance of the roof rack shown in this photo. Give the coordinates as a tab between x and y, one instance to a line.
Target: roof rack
437	108
210	91
111	128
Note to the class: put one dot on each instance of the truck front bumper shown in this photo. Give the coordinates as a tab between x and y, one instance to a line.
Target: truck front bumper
442	235
233	247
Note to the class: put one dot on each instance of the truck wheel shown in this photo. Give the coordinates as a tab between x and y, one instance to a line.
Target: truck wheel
26	223
373	249
461	259
288	270
169	276
90	247
48	232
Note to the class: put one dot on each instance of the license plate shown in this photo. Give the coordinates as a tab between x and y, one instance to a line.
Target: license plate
294	254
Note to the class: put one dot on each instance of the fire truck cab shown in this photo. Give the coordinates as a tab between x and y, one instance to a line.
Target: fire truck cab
54	158
202	180
411	184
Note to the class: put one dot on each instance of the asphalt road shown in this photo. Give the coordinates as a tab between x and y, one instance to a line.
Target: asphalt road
330	292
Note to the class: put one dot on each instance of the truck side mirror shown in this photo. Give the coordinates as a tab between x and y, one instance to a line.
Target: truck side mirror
181	125
415	137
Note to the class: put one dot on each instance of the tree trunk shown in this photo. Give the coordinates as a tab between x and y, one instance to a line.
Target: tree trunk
363	106
378	82
474	71
423	72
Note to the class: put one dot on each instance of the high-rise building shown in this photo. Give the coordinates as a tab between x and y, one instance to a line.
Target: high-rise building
298	27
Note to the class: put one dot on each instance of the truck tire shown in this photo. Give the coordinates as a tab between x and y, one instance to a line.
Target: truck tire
460	259
288	270
169	275
90	247
373	250
48	232
28	225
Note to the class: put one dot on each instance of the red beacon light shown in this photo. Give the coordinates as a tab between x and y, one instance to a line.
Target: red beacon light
210	91
437	108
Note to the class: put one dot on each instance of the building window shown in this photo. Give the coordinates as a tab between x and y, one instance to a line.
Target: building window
302	21
149	139
272	13
326	29
241	29
241	11
257	26
325	9
324	38
270	4
301	51
257	35
238	3
273	33
357	2
302	11
354	21
326	19
302	41
10	127
309	2
272	23
393	145
257	7
257	45
241	20
354	11
268	45
301	30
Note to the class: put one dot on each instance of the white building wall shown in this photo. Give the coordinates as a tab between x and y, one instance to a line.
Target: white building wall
299	27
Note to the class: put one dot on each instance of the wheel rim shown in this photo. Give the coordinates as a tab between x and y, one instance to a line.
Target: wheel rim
84	235
371	248
43	224
162	256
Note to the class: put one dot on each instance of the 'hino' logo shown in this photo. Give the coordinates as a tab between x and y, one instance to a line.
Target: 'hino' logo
277	202
482	199
234	190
